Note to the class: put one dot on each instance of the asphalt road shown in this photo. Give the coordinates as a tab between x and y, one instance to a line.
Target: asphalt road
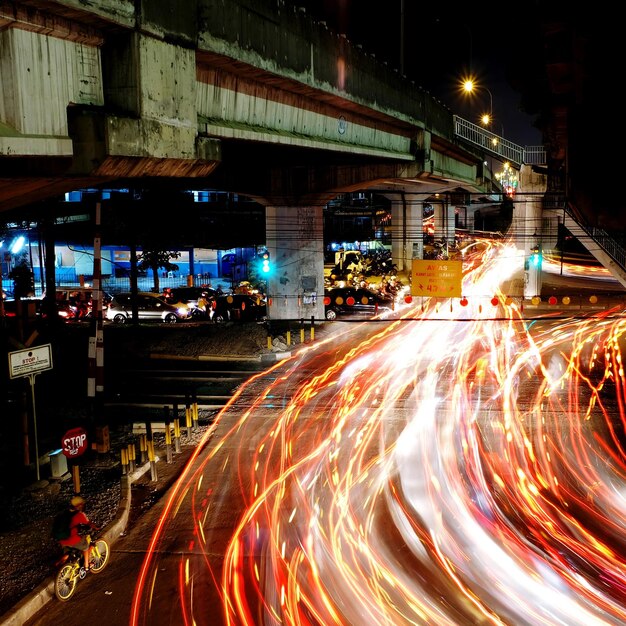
299	467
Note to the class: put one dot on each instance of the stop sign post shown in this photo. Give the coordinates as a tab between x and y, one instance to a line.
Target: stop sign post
73	444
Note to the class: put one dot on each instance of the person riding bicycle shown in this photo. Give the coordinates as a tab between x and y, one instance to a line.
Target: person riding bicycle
78	524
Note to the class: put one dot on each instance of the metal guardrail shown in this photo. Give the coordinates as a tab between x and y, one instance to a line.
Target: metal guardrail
601	237
535	155
499	146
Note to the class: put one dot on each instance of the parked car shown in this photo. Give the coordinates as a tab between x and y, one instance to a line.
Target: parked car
356	301
239	307
198	299
75	303
150	306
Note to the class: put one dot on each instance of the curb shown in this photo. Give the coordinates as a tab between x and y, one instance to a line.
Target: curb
204	357
269	357
274	357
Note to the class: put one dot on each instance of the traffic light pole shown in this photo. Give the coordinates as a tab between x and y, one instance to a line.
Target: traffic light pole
532	267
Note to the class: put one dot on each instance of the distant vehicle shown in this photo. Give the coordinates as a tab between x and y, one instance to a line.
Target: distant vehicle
198	299
239	307
347	262
76	303
355	301
150	306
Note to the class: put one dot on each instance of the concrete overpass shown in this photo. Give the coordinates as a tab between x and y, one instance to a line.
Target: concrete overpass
261	101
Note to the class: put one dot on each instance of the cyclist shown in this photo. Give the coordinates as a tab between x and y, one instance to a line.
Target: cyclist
78	523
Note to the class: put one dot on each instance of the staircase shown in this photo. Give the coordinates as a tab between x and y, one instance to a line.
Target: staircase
601	245
497	146
604	248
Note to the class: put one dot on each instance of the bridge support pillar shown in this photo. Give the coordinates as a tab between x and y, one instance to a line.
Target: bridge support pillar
445	225
527	225
295	242
407	235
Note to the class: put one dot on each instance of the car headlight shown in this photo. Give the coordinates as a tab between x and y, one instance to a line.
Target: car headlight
183	310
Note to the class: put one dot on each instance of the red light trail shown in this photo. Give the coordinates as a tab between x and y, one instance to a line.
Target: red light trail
450	467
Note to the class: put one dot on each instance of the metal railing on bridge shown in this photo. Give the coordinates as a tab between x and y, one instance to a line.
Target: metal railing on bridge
498	146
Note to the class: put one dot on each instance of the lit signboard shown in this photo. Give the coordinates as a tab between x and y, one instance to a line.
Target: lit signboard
434	278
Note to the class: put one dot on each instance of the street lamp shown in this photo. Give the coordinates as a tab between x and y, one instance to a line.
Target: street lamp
469	86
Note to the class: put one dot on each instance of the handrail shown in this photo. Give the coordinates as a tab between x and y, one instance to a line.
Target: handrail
604	240
535	155
499	146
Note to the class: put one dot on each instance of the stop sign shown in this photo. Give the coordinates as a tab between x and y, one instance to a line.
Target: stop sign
74	442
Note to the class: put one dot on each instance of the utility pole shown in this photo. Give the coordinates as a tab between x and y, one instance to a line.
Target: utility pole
95	381
402	37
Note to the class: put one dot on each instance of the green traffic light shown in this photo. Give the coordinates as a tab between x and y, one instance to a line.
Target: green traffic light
535	257
265	263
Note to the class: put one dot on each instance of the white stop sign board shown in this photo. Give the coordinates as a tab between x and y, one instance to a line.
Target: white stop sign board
30	361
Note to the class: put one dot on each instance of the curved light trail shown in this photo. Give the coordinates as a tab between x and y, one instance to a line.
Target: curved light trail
453	466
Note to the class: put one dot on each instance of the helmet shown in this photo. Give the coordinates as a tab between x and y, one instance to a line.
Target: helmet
77	501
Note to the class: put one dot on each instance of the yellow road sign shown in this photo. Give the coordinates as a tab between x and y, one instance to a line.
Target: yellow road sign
439	279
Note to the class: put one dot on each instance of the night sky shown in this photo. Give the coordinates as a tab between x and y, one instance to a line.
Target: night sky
442	43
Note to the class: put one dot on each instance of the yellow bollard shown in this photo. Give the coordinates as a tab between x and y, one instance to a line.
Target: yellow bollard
302	335
168	442
188	419
131	458
176	435
151	455
312	333
269	342
288	337
143	448
124	461
196	414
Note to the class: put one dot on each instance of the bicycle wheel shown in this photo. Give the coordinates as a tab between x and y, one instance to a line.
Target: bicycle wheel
65	582
99	555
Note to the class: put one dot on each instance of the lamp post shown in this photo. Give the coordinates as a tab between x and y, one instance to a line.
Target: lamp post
402	37
469	86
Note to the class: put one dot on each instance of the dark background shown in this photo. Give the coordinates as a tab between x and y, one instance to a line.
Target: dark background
443	43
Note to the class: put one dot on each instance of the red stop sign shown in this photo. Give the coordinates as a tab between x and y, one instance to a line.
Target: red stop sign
74	442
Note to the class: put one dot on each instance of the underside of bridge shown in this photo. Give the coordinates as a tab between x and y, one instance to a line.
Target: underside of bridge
102	96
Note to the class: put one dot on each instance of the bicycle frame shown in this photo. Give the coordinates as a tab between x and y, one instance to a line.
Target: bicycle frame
70	567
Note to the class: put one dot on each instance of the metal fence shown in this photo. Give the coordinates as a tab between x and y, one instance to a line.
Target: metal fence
115	285
497	145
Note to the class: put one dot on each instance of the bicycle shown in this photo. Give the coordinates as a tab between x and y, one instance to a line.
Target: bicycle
70	568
